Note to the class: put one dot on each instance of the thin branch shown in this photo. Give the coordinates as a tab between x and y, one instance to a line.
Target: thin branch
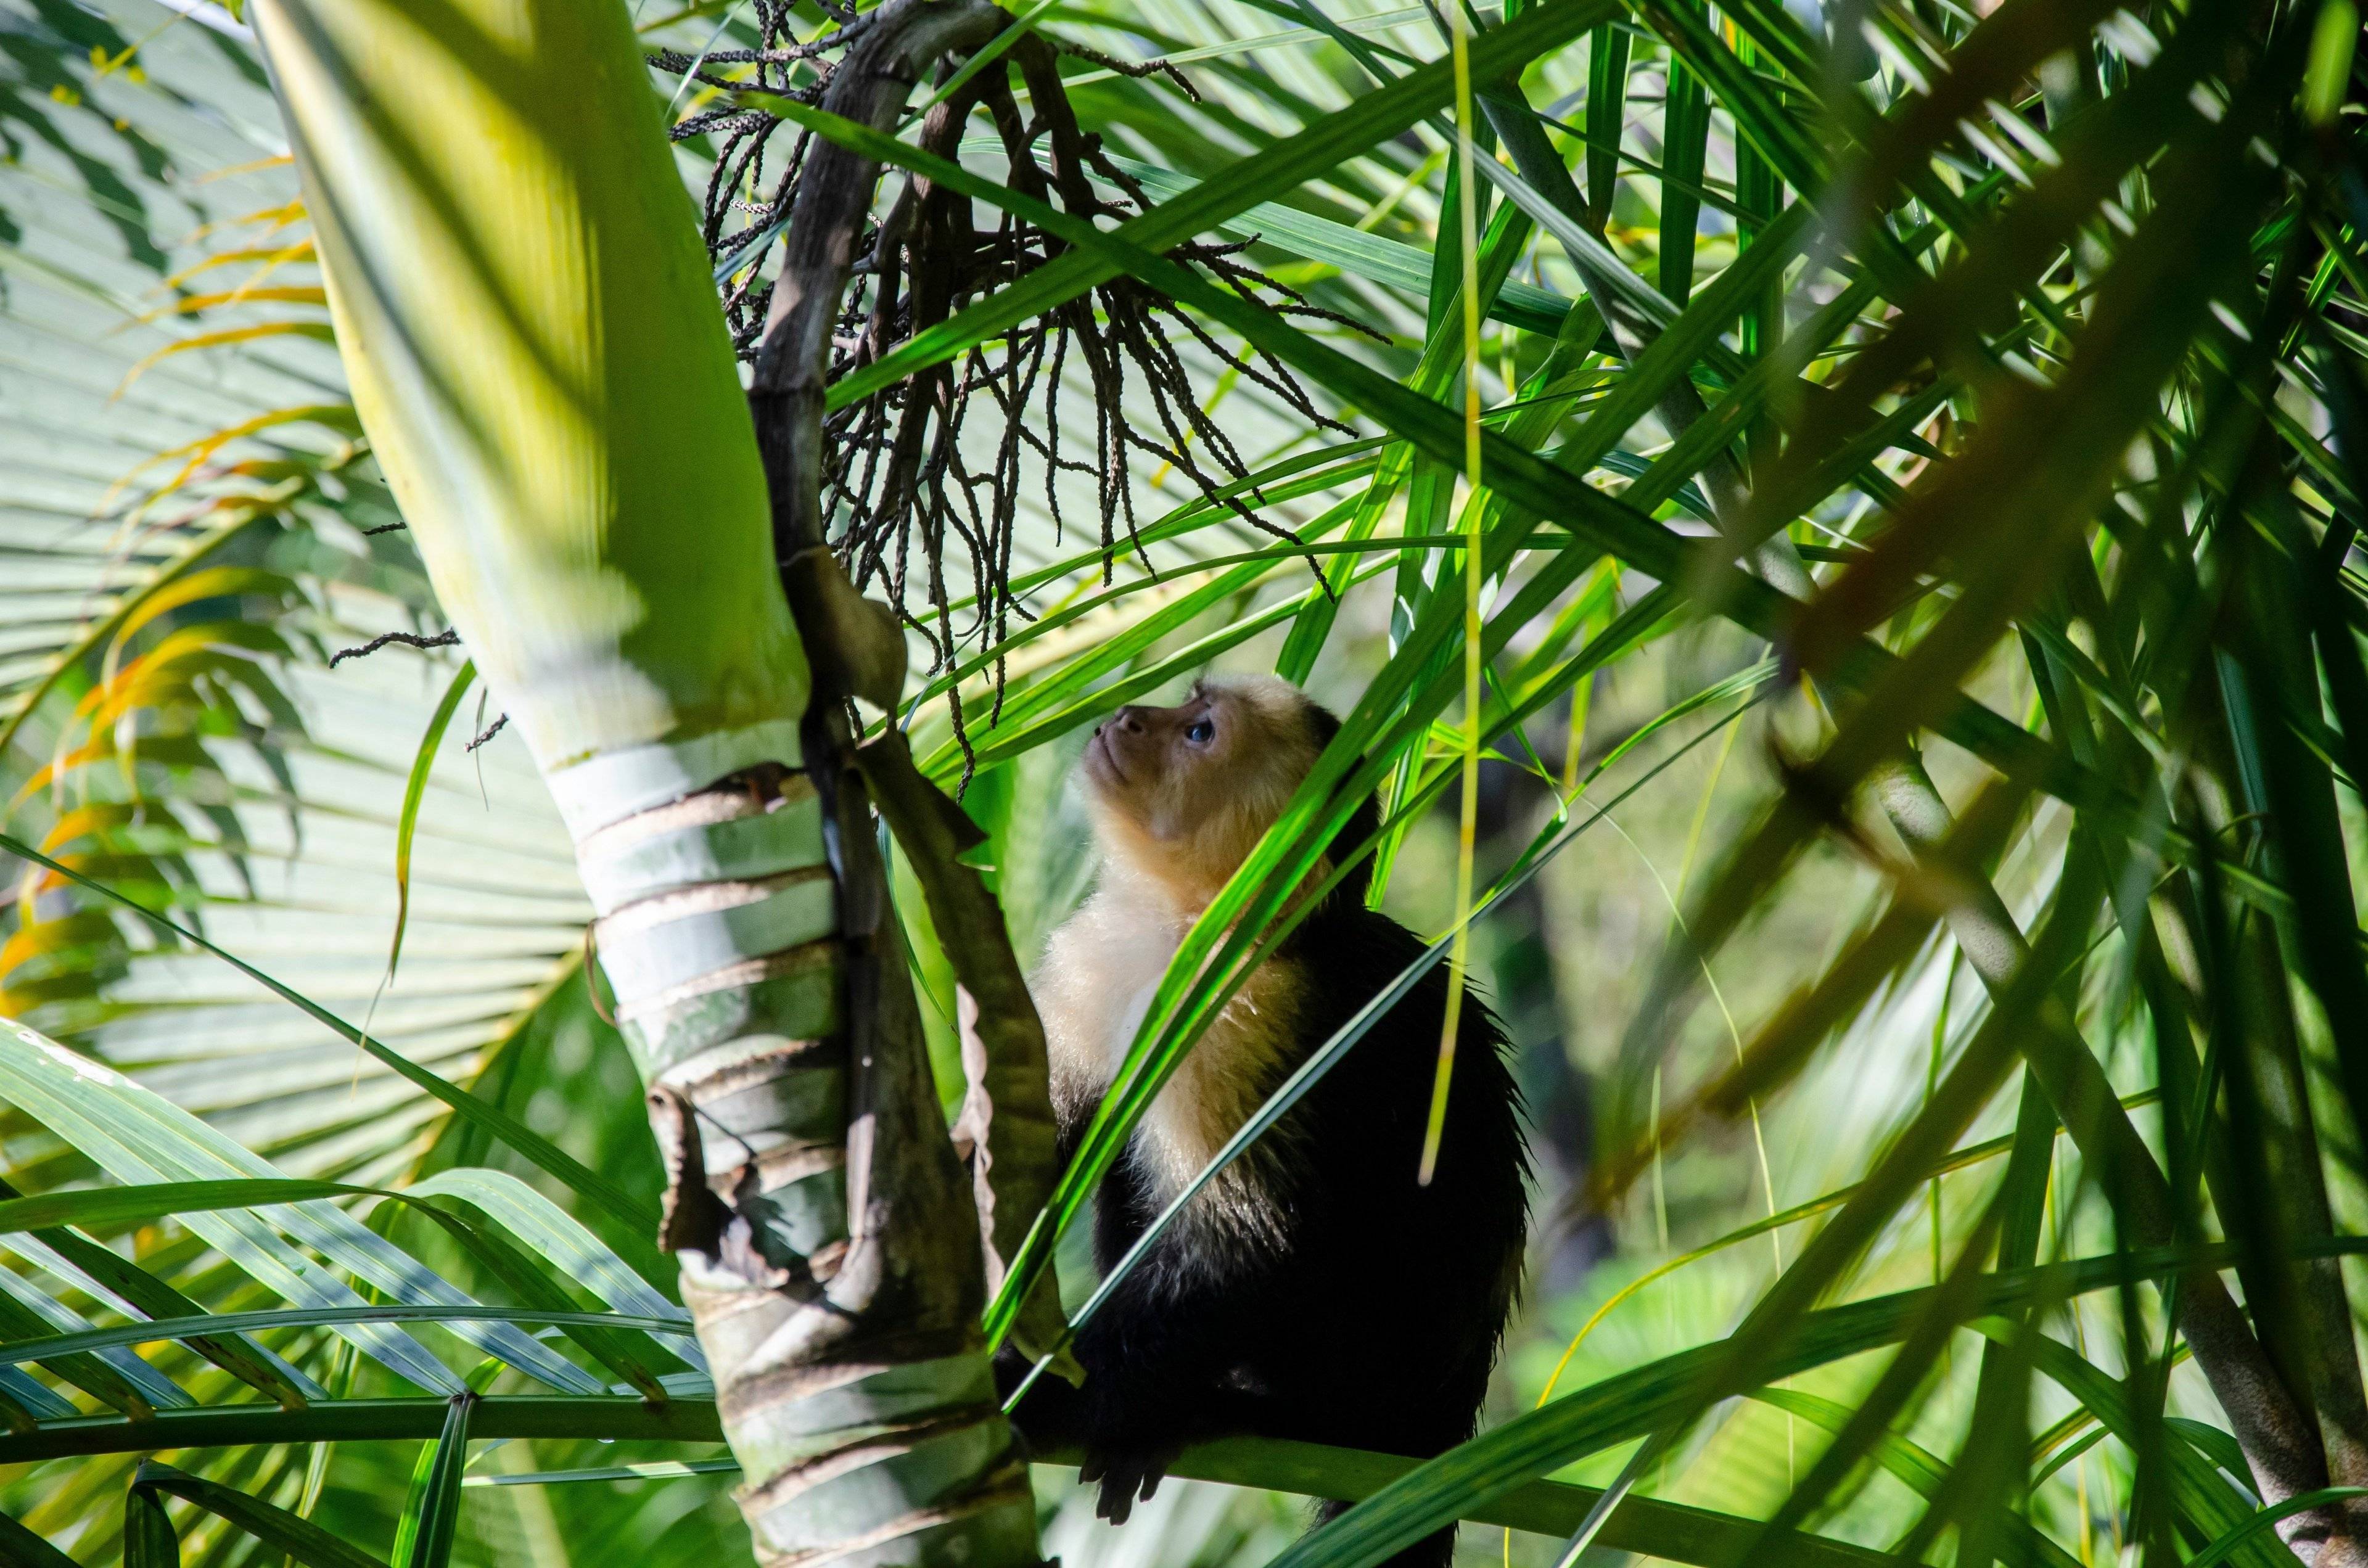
409	639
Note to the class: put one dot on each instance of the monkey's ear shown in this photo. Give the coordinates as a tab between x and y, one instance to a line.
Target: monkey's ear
854	645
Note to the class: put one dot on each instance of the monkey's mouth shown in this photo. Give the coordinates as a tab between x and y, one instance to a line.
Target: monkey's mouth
1107	755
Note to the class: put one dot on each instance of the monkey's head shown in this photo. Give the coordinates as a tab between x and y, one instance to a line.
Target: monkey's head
1180	795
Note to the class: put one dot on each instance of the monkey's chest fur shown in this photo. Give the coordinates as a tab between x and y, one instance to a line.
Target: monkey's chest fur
1100	971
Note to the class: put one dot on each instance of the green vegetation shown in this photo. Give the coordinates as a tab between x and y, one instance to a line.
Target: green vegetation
1831	527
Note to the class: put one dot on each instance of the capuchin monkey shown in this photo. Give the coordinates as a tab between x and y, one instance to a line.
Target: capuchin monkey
1315	1290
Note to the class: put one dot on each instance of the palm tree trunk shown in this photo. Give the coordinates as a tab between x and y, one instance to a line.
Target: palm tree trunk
540	363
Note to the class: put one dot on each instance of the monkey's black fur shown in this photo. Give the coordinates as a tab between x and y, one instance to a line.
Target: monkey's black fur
1373	1321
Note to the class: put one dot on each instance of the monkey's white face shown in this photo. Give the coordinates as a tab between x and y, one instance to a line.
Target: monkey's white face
1181	794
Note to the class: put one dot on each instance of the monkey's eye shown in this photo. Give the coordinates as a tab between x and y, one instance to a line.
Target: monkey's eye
1202	732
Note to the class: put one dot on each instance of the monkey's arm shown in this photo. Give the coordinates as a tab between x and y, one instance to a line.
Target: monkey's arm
1160	1358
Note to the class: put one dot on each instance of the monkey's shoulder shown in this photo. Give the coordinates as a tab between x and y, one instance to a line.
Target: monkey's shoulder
1349	954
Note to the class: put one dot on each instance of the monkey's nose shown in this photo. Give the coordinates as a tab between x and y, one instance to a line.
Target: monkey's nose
1130	719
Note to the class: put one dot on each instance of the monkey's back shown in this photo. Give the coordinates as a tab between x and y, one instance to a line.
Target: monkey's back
1373	1321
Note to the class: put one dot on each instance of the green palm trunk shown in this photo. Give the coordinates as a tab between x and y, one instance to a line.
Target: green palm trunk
539	360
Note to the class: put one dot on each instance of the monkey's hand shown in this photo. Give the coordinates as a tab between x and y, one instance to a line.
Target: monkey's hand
1128	1468
1051	1414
